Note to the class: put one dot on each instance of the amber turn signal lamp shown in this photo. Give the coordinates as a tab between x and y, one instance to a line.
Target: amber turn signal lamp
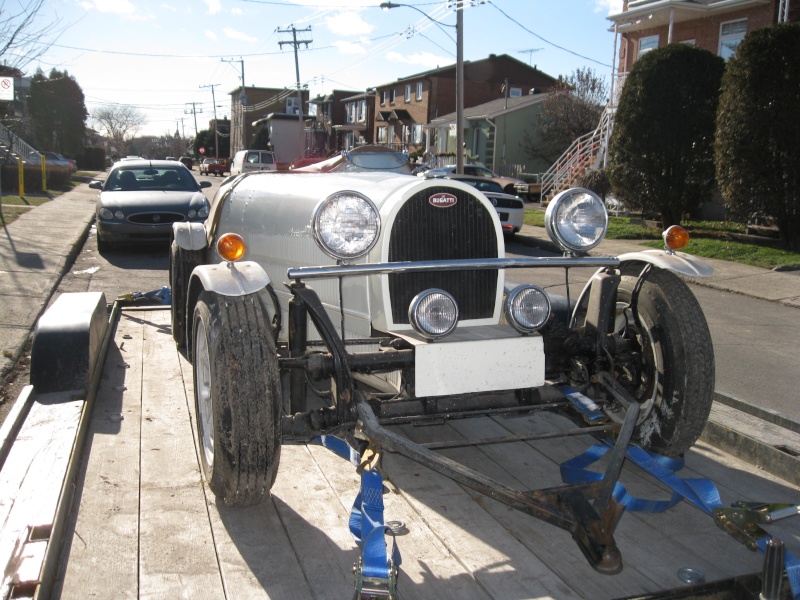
675	237
231	247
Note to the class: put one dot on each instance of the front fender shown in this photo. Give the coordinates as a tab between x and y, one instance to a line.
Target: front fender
682	263
230	279
189	236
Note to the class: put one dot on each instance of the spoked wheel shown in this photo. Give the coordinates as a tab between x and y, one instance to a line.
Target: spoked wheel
670	372
237	397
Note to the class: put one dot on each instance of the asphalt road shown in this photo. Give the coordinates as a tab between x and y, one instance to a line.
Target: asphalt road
755	341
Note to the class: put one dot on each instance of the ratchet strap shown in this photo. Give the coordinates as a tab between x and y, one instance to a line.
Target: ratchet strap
700	492
366	517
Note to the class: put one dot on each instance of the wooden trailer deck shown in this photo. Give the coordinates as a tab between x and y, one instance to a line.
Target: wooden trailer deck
144	524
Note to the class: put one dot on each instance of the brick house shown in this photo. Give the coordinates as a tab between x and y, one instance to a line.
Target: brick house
250	104
332	112
405	106
716	25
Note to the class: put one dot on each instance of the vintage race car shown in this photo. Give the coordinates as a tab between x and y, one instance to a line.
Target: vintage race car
315	305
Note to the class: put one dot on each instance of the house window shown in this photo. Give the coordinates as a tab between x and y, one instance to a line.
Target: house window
406	134
408	94
730	34
390	134
515	92
647	43
383	97
393	95
382	134
419	90
417	134
362	107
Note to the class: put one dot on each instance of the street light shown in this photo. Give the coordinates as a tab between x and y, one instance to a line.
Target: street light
459	73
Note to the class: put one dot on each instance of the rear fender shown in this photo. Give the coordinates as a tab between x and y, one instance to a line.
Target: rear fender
189	236
682	263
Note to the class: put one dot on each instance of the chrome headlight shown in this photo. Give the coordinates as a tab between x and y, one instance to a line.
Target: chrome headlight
106	214
433	314
346	225
527	308
576	220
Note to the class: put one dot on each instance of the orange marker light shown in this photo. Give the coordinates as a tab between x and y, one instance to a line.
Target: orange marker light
675	237
231	247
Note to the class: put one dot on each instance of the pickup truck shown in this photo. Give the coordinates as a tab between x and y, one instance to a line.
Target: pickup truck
531	190
213	166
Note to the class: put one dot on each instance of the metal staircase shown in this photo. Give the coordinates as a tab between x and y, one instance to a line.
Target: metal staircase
586	152
12	147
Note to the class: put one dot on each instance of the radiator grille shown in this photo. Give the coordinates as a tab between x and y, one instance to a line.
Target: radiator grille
425	232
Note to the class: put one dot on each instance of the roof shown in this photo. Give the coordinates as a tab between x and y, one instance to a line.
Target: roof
491	109
467	65
647	14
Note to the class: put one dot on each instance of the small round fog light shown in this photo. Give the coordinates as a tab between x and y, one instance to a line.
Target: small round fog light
120	215
527	308
433	314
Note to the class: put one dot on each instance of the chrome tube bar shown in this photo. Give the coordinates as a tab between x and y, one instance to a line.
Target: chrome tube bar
468	264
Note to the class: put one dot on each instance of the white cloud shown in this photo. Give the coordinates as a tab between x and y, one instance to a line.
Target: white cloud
612	7
210	35
423	59
351	47
233	34
348	23
342	4
214	6
119	7
236	11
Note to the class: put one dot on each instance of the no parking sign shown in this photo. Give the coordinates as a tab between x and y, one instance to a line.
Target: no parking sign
6	88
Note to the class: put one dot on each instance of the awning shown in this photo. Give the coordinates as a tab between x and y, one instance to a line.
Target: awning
383	115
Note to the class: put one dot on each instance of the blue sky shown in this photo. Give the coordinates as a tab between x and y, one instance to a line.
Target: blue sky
156	54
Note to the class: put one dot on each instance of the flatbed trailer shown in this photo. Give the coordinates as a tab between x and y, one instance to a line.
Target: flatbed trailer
104	497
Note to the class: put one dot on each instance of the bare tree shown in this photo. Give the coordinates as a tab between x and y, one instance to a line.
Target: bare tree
121	122
24	36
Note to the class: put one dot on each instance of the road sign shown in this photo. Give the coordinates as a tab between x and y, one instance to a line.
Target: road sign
6	88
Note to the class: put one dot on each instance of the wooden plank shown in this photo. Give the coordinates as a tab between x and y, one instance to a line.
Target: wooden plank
177	554
246	540
101	548
31	480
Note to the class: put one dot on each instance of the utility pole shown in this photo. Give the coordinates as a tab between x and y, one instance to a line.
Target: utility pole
193	111
239	112
460	87
216	134
295	42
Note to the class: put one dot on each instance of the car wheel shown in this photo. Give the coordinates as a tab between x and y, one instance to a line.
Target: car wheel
672	373
181	264
237	397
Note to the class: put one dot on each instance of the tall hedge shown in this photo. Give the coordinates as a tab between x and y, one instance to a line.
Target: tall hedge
661	157
757	149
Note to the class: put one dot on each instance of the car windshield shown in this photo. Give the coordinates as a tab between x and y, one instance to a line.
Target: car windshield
151	179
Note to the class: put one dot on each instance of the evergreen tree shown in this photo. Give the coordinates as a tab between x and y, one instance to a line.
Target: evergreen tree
58	113
758	133
661	157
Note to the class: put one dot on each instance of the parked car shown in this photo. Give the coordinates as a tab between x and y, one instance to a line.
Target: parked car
531	189
213	166
507	183
188	161
247	161
348	298
510	209
141	199
54	159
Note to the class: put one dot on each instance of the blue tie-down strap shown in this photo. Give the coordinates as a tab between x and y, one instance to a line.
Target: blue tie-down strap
368	529
161	296
700	492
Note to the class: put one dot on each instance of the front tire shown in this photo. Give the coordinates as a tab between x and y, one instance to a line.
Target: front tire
181	264
237	397
674	380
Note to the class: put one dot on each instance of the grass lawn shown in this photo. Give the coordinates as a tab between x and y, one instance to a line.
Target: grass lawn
709	239
12	207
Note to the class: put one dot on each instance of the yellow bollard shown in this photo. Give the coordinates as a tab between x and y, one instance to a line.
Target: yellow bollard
44	172
21	178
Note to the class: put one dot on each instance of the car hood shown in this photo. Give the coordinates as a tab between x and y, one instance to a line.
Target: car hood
149	199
